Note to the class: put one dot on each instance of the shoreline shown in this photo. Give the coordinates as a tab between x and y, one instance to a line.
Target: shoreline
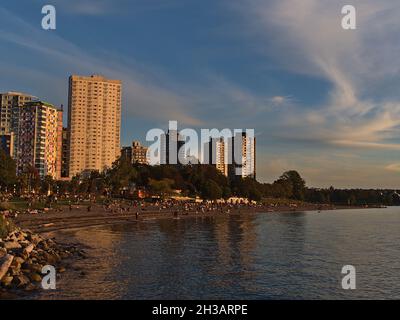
51	225
83	270
53	221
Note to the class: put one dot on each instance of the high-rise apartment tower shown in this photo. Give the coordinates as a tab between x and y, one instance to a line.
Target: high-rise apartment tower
94	123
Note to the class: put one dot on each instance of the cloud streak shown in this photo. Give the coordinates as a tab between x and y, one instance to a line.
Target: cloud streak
143	96
312	42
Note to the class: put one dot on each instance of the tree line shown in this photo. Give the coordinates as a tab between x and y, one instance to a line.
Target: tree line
191	180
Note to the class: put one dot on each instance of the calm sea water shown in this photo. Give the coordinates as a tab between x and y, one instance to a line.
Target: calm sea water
258	256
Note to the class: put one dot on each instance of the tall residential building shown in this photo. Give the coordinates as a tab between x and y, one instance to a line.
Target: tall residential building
172	148
39	142
215	153
94	122
139	153
10	103
242	156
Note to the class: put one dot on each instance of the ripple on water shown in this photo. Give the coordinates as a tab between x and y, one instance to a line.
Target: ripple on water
256	256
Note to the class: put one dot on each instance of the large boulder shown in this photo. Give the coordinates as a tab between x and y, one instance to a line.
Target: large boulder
5	264
9	245
29	249
6	281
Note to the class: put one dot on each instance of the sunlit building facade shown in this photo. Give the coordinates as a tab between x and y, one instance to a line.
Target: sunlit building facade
39	139
94	123
139	153
242	153
215	153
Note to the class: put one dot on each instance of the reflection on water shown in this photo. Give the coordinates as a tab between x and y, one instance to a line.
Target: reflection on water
263	256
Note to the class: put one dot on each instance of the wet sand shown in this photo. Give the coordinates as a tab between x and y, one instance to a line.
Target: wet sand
53	220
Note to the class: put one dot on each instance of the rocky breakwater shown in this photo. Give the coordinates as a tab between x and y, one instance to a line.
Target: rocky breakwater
23	255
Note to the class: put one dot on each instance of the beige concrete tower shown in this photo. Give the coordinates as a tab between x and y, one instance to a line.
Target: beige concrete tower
94	123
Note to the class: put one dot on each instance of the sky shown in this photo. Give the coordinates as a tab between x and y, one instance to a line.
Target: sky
323	100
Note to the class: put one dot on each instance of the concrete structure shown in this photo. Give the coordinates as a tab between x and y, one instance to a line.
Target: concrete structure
215	153
10	103
40	135
139	153
242	156
7	143
94	122
172	146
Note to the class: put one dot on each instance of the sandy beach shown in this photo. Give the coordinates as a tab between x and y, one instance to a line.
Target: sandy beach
80	217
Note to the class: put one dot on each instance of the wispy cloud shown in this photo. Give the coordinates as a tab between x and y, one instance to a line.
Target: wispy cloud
311	41
393	167
143	96
110	7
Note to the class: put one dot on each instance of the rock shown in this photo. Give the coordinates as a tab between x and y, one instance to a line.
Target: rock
12	245
3	252
34	238
24	243
26	271
6	281
35	267
30	287
44	246
21	281
29	249
5	263
15	266
35	277
61	269
19	260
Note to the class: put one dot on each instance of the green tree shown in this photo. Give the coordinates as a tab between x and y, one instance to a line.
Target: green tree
298	185
32	178
47	185
161	187
211	191
121	175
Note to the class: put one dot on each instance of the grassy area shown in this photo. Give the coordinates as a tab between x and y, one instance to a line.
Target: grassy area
20	204
7	206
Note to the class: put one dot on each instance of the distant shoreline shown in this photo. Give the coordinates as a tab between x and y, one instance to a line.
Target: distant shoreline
80	218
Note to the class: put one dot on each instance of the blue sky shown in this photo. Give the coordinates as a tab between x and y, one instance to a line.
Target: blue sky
322	100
